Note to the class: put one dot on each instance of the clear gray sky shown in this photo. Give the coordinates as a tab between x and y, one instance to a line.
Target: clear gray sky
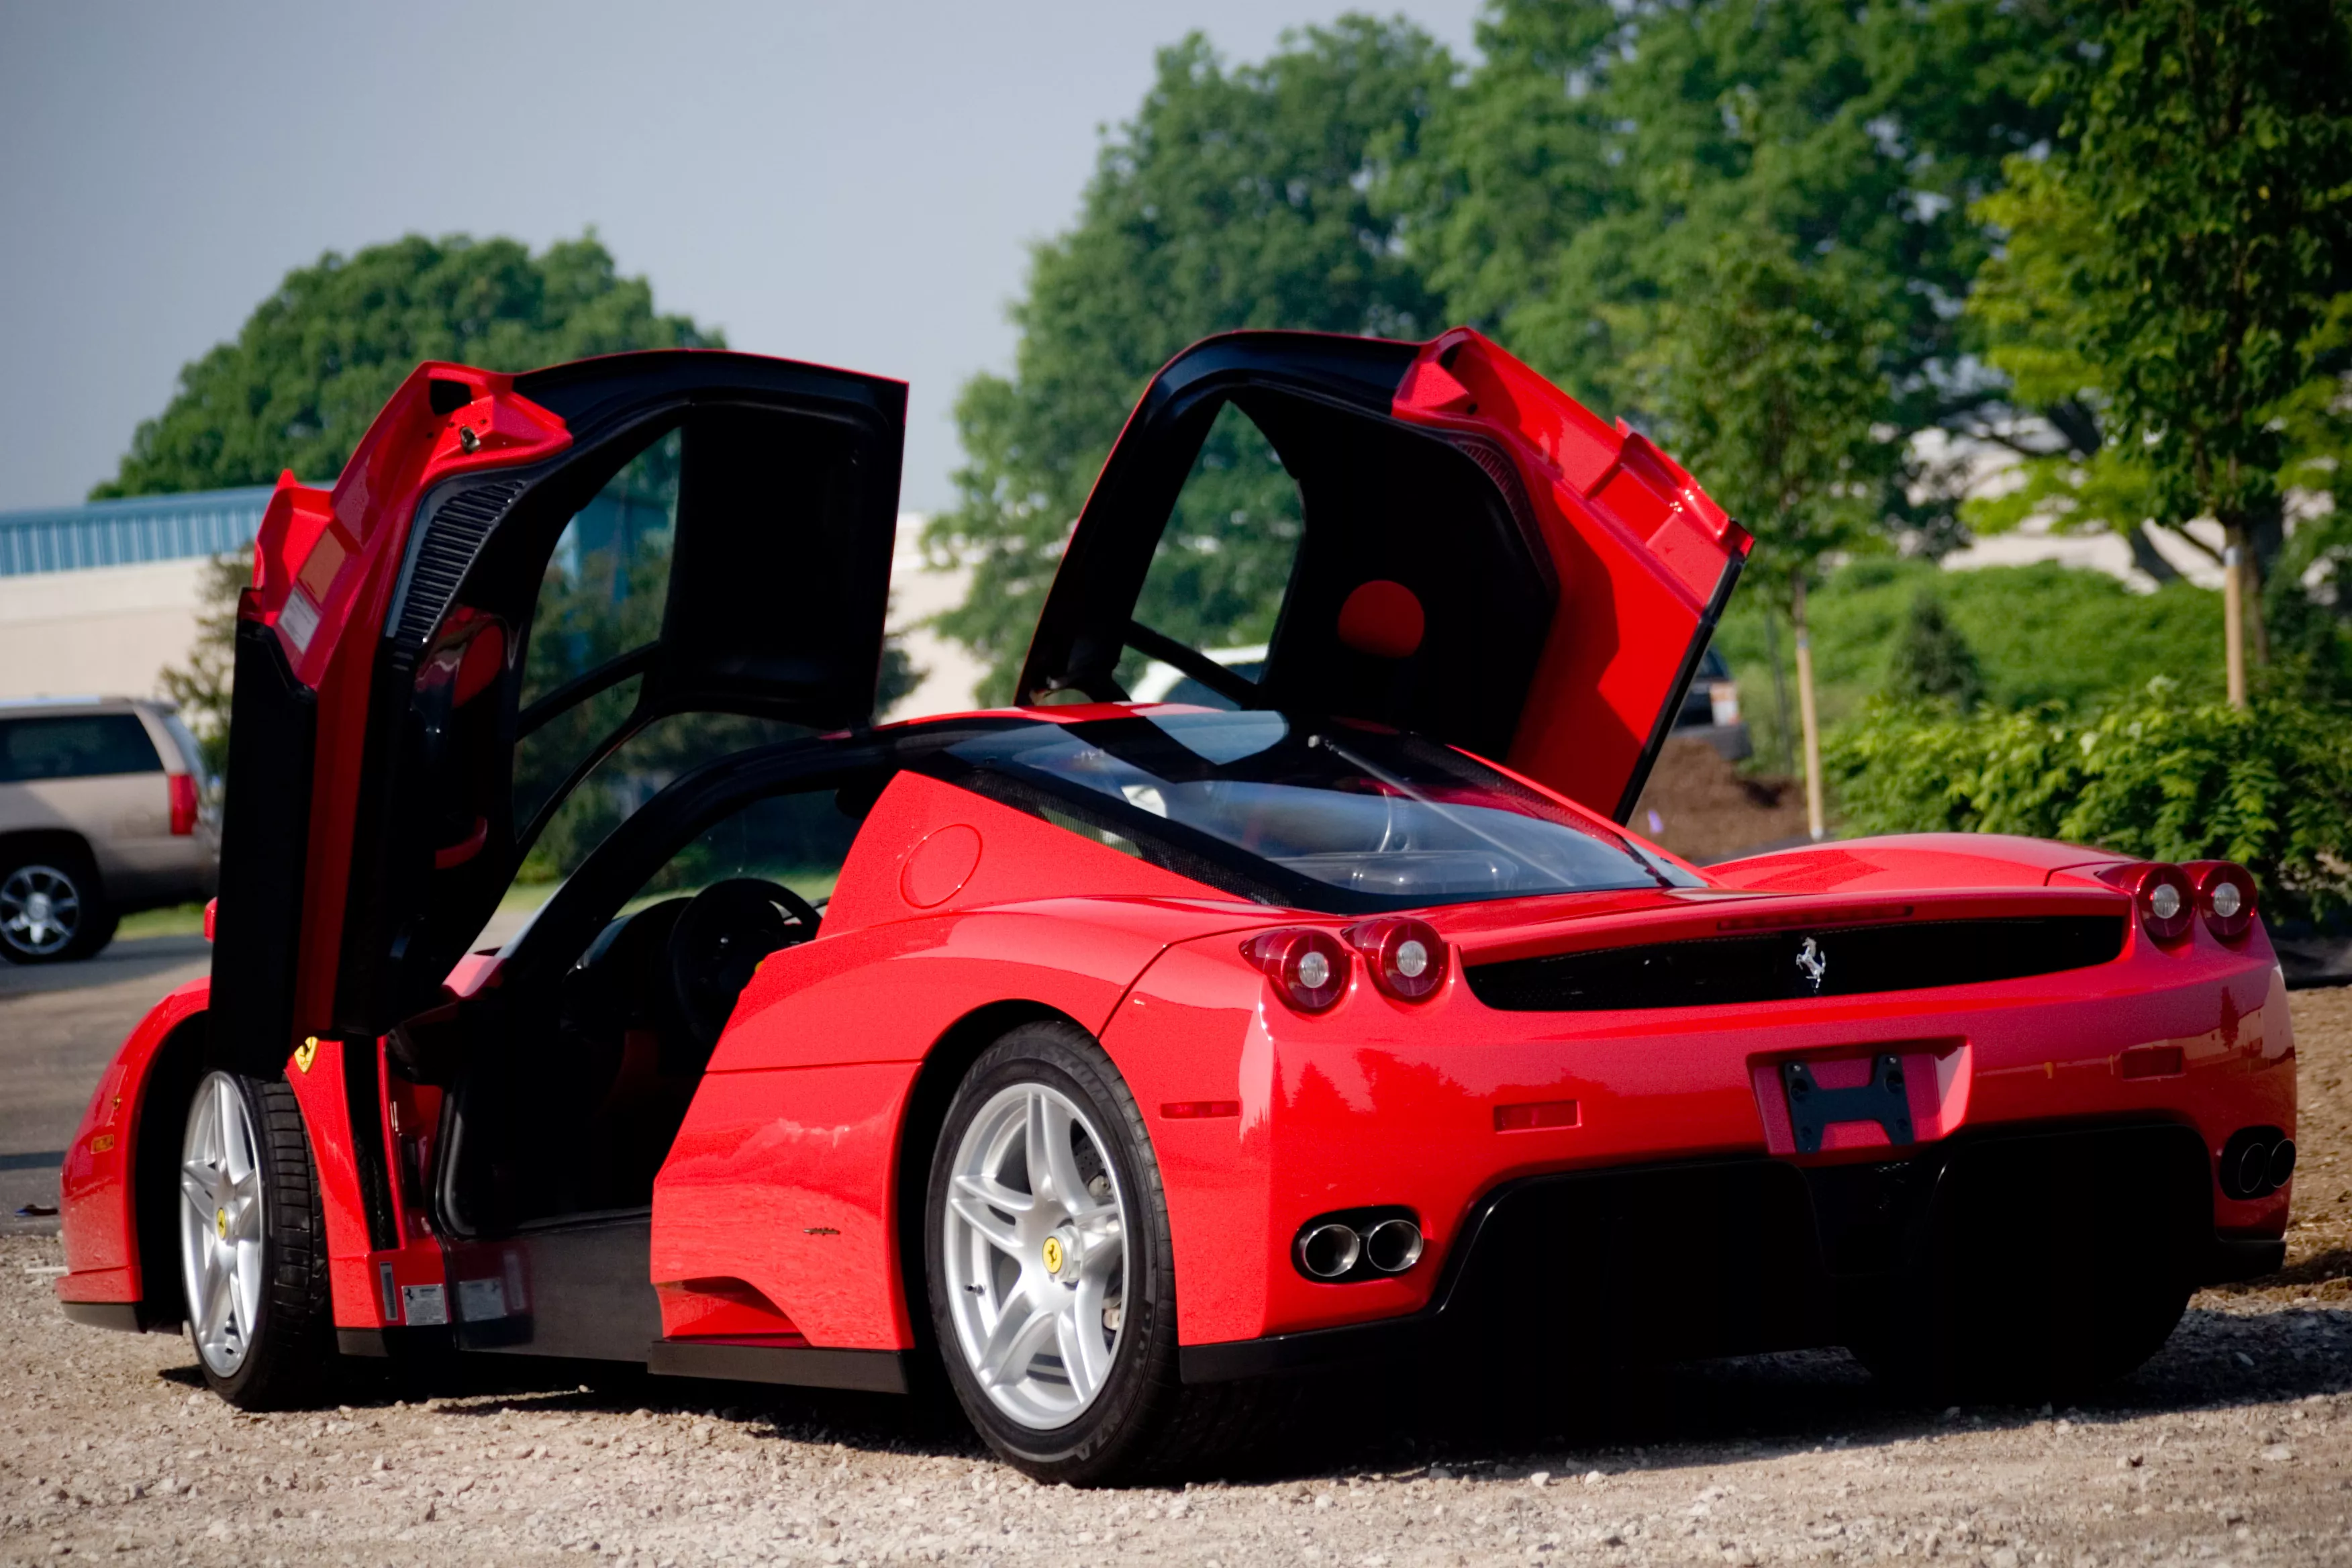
856	183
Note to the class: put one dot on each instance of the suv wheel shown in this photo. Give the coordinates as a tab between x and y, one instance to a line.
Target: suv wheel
51	912
253	1245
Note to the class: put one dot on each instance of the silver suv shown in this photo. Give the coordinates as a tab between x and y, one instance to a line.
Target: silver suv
103	810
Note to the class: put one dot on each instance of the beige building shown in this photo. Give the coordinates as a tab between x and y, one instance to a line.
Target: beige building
99	599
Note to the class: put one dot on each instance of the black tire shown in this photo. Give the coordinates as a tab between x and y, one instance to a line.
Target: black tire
1142	1420
52	908
284	1354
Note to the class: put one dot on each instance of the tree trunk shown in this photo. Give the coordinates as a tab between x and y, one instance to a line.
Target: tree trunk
1815	822
2234	611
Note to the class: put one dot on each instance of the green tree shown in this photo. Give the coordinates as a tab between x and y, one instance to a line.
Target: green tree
1932	660
1594	158
305	375
1770	373
2191	233
1238	196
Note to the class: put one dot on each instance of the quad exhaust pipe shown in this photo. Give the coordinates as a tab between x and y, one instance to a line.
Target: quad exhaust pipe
1362	1246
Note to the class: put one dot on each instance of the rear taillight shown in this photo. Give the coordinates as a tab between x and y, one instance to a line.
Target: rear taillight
1308	967
183	803
2225	897
1406	957
2165	896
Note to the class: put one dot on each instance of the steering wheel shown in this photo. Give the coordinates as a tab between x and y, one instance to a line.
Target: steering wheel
719	939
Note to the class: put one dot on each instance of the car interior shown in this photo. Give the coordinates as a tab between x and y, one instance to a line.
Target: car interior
571	1078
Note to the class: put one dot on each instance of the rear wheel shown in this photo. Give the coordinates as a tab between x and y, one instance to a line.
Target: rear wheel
50	911
253	1257
1051	1280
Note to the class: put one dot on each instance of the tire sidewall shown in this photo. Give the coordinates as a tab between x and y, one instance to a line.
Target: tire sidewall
271	1341
1094	1443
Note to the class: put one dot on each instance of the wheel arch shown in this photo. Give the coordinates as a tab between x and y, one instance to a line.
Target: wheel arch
25	844
160	1114
943	1067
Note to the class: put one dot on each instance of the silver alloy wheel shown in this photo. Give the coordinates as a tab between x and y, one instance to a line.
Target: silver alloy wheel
1035	1265
41	910
221	1225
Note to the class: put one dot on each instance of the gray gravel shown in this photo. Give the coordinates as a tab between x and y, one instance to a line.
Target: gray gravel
2235	1447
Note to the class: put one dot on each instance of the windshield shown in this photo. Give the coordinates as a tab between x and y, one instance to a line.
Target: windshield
1325	815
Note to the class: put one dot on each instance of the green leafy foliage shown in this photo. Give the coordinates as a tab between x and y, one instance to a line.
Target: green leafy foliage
1768	375
1932	661
312	366
2159	776
1238	196
1578	183
2173	266
2043	634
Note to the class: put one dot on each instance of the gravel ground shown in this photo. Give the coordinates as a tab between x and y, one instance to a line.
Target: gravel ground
2234	1446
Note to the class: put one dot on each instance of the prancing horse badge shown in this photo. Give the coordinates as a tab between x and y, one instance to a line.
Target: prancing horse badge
1812	962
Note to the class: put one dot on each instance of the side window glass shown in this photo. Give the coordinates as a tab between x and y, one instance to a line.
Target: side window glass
93	746
603	596
1217	577
796	840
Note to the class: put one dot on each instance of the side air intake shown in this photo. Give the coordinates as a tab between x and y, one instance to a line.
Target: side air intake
444	550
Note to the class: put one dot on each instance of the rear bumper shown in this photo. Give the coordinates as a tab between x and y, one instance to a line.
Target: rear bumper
1741	1257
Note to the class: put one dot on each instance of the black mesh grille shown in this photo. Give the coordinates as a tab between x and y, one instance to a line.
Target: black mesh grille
1777	966
451	539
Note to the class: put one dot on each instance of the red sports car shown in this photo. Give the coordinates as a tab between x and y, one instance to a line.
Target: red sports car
1118	1059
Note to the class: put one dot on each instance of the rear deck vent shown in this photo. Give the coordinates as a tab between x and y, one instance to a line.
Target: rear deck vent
1851	961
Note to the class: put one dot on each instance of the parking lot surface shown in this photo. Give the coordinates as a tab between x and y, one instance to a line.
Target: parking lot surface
2234	1446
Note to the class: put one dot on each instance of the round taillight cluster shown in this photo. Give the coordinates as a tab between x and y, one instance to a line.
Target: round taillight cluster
2171	898
2225	897
1406	957
1308	967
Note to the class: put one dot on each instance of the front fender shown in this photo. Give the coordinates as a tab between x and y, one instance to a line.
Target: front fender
99	1187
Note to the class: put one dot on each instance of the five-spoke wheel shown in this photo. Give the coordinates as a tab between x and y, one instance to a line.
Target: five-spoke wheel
1036	1254
221	1220
253	1257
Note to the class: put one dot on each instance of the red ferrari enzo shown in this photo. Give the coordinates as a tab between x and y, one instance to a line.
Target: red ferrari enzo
1118	1059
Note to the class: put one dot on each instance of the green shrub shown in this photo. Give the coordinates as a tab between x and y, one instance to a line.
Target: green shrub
2156	775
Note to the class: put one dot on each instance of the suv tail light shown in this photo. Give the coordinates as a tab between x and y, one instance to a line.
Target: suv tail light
1308	967
2163	893
183	803
2225	897
1406	957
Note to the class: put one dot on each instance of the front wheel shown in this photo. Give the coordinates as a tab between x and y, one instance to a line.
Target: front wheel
253	1254
1052	1285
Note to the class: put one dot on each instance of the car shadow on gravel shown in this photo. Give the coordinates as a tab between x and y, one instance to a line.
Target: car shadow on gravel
1391	1420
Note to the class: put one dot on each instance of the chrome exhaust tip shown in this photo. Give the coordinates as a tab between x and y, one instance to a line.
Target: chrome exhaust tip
2281	1169
1329	1251
2253	1169
1393	1246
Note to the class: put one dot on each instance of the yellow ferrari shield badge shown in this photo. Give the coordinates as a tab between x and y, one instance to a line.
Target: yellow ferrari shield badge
307	1052
1053	1254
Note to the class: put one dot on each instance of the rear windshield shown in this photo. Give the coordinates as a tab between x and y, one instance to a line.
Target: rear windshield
1320	815
87	746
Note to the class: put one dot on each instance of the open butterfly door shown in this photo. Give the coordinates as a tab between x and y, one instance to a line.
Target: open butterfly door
372	820
1483	560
